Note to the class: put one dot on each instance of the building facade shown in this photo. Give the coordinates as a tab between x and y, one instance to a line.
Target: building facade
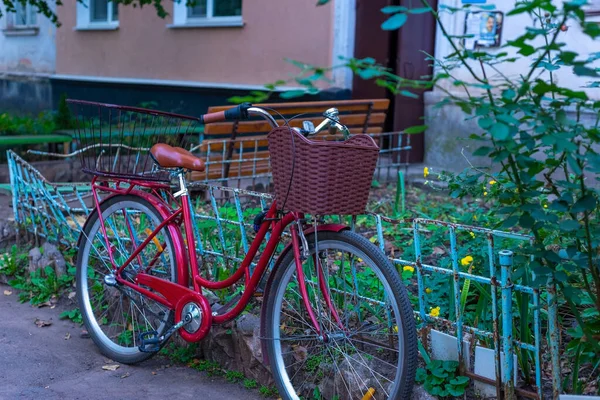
27	60
446	140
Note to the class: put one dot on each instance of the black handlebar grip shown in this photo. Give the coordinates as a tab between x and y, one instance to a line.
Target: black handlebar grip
237	113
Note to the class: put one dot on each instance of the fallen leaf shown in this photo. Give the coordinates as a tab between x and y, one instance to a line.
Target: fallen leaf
46	304
7	292
153	373
125	375
111	367
438	251
71	295
41	323
84	334
67	336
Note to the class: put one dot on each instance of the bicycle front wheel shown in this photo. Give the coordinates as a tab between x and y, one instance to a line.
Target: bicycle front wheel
366	347
115	314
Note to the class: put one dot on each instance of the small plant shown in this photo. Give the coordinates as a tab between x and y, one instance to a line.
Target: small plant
11	263
42	284
74	315
63	118
234	376
250	383
267	391
212	368
180	354
439	379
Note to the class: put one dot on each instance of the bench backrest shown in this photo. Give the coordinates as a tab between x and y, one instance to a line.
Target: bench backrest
239	149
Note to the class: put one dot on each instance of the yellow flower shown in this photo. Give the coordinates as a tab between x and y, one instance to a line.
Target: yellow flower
428	291
435	312
425	172
472	235
493	182
359	259
545	205
485	193
408	268
396	328
475	217
373	239
466	261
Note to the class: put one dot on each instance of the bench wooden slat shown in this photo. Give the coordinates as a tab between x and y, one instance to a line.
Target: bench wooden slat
378	105
245	127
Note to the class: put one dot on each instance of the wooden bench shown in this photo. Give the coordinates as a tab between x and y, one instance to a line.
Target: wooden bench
240	149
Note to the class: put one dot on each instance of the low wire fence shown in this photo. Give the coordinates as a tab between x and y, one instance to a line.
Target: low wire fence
223	220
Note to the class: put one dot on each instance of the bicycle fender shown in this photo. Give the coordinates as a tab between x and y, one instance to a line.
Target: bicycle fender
263	322
165	212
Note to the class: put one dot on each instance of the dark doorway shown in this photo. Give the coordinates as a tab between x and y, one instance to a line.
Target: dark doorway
402	52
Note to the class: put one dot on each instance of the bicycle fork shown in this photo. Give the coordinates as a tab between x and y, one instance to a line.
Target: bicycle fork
299	257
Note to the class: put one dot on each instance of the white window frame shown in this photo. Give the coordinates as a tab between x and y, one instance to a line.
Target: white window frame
181	19
30	28
84	21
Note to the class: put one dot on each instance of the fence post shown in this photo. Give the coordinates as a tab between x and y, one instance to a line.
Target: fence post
554	338
506	262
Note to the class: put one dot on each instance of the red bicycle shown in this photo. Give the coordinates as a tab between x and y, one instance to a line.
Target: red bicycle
336	321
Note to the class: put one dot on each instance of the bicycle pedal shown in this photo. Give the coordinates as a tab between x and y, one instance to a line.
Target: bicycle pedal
149	342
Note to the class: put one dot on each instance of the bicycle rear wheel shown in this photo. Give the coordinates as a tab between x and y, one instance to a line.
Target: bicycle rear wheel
367	347
115	314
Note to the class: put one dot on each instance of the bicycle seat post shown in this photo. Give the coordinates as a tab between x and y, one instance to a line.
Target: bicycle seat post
182	187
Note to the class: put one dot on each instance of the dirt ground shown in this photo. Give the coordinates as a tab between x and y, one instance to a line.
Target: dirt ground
55	362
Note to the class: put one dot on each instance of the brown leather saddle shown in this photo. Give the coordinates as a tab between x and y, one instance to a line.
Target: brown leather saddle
175	157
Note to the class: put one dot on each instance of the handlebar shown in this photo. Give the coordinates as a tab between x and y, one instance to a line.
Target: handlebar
245	110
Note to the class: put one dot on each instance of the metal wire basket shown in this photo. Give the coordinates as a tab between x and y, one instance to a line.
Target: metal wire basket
115	141
322	177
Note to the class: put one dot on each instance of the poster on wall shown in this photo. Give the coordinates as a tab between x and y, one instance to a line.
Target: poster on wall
483	28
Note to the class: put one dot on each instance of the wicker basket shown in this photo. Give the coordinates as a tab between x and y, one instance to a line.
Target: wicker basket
115	141
322	177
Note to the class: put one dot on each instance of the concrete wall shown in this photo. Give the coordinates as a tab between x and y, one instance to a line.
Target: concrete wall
144	47
28	53
447	135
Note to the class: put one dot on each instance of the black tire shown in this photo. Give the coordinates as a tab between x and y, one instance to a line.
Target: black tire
279	349
92	290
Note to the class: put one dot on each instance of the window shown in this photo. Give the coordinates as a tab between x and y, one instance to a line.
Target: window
97	15
23	21
25	15
208	13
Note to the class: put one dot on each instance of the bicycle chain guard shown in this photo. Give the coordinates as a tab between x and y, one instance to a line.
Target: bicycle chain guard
178	298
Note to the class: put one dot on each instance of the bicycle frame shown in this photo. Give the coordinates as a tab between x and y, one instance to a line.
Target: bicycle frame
171	293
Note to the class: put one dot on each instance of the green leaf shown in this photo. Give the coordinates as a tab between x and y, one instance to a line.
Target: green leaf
422	10
459	380
483	151
510	221
485	123
584	204
396	21
292	93
406	93
415	129
508	94
393	9
580	70
569	225
454	391
421	375
500	131
526	221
